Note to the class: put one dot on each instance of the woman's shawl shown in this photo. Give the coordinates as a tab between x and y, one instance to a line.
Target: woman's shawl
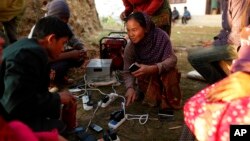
154	47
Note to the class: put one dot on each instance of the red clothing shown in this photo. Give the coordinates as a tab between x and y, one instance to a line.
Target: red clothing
210	121
17	131
147	6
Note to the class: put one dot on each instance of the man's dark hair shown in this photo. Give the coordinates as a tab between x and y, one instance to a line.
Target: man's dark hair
139	17
51	25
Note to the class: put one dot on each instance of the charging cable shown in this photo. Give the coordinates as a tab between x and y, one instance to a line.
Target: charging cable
142	118
92	117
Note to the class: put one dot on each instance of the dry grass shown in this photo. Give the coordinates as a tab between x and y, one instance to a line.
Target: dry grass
183	38
192	36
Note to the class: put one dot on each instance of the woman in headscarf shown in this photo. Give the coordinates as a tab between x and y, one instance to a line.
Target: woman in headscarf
158	79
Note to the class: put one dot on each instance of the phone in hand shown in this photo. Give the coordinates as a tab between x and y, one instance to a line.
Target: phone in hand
133	67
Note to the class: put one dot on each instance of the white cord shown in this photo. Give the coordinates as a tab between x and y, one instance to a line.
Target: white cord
92	117
142	118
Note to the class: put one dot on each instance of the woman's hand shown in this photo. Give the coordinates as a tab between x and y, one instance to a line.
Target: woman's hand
233	87
145	70
123	16
130	96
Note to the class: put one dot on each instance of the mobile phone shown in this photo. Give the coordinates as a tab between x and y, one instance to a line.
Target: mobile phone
82	135
96	127
79	129
133	67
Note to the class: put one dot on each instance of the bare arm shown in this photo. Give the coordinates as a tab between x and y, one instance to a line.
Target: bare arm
128	7
154	6
73	54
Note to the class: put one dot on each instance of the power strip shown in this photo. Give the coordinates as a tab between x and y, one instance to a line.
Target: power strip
87	104
114	124
107	99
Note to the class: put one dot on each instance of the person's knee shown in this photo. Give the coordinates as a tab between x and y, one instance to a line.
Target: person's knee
192	57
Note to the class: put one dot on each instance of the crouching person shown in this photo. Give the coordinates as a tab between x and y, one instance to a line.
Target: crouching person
74	52
157	77
24	77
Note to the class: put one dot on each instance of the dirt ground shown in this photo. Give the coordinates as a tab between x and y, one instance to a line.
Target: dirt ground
154	129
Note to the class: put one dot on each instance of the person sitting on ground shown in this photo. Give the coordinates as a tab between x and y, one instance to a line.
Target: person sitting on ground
224	103
207	61
24	78
159	10
158	79
73	54
186	16
18	131
175	15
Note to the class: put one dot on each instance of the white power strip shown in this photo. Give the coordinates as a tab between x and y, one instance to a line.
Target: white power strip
85	100
114	124
111	98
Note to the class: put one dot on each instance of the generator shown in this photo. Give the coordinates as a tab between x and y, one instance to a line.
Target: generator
99	70
112	47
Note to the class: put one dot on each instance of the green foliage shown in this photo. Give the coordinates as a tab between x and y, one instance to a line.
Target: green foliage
111	23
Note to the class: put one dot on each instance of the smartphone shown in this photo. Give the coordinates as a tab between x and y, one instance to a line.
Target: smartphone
133	67
79	129
113	122
96	127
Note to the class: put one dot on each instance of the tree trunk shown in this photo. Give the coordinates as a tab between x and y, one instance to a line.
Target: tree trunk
84	17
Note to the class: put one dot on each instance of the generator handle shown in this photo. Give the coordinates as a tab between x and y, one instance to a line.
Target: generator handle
118	32
115	38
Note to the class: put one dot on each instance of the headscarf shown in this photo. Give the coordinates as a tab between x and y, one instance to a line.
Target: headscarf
243	61
155	46
58	8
